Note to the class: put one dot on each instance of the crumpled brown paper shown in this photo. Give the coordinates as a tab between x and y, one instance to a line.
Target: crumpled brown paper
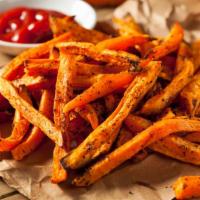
156	17
148	180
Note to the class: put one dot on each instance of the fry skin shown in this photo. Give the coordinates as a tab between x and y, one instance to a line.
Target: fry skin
36	135
121	43
152	134
28	112
101	139
187	187
160	101
63	94
20	127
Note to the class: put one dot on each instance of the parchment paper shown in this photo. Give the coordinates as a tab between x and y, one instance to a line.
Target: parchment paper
148	180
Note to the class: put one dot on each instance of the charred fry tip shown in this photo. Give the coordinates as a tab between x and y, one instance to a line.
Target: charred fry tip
71	174
63	162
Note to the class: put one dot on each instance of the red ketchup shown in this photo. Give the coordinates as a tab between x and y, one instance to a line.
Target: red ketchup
26	25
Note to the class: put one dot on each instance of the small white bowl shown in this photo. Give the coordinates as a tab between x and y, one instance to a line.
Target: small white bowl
83	12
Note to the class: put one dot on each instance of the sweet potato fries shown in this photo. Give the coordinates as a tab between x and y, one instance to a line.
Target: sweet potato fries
102	100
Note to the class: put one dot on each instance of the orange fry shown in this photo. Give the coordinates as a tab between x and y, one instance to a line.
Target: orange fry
20	127
104	85
30	113
58	174
187	187
122	43
178	148
63	94
36	135
160	101
170	44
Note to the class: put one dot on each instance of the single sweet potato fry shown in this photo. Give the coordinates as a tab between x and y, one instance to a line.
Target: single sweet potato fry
59	174
170	43
20	127
152	134
36	135
28	112
122	43
63	94
187	187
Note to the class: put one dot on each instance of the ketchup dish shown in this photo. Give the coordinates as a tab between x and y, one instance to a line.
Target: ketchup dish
25	24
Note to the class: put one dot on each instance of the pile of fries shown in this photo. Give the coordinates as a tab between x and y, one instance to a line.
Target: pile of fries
104	100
